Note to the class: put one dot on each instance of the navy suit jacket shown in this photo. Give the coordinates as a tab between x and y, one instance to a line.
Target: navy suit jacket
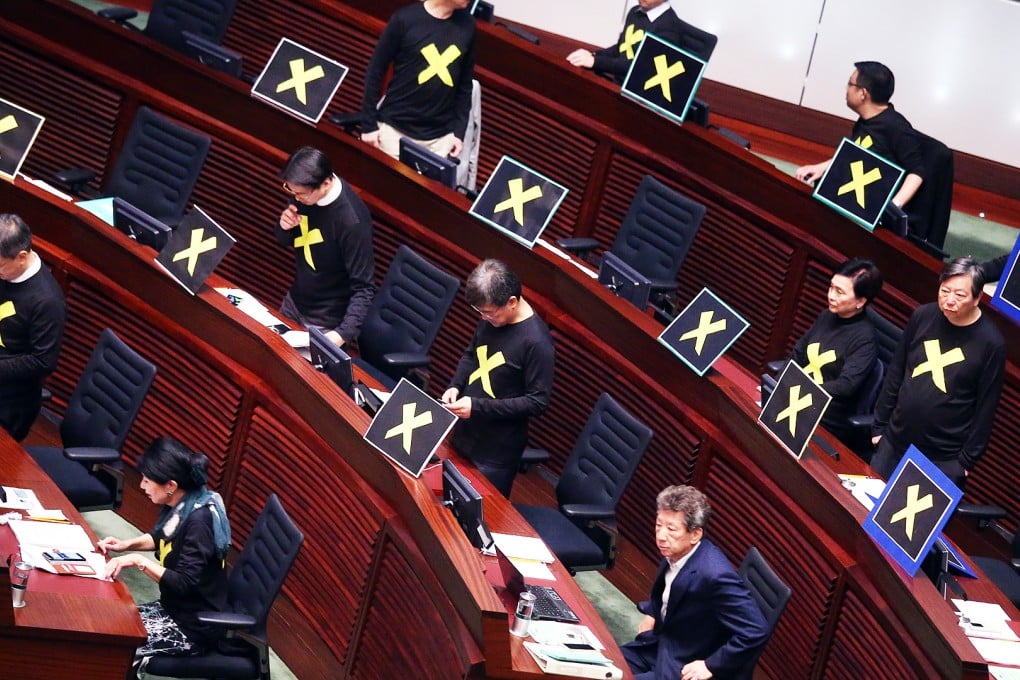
710	615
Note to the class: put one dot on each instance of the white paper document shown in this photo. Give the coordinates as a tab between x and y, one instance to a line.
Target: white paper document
557	633
523	547
533	569
21	499
48	535
998	651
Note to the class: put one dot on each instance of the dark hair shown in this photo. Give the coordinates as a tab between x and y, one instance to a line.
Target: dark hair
307	167
965	266
166	459
15	236
688	500
865	275
877	79
492	283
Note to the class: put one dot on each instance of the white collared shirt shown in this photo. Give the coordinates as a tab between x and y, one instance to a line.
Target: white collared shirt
32	269
656	12
671	573
333	193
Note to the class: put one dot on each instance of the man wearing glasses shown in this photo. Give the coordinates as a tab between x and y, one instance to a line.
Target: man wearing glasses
879	127
330	230
504	377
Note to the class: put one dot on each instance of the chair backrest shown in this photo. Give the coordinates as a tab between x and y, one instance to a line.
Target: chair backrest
657	230
256	578
467	171
696	41
868	393
407	311
768	590
887	335
168	19
605	456
108	395
158	166
931	206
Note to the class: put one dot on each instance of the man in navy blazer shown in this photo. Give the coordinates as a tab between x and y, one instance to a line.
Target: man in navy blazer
710	627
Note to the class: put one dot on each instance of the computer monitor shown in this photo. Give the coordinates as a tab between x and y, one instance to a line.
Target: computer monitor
936	566
212	55
624	280
483	11
466	503
331	360
139	225
428	163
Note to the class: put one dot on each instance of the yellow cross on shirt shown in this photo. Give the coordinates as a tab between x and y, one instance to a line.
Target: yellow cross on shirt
816	360
486	365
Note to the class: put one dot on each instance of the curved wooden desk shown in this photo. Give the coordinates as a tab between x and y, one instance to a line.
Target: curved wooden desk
71	626
847	596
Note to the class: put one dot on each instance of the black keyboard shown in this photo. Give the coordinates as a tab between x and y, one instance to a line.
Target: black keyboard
549	606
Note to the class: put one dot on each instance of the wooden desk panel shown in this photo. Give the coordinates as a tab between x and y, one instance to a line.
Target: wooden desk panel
87	628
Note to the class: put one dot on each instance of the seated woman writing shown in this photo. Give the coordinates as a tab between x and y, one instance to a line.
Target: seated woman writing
839	350
190	540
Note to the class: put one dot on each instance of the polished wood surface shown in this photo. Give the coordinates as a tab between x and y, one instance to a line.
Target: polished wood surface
764	246
82	626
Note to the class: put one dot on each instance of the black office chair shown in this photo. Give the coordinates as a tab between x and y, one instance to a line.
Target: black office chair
696	41
925	219
252	586
169	19
100	412
582	531
887	338
156	170
404	318
653	238
1005	575
769	591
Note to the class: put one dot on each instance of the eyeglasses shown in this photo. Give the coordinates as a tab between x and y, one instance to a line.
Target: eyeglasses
486	316
851	83
297	194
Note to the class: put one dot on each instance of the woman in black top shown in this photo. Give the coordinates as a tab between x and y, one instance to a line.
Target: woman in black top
190	542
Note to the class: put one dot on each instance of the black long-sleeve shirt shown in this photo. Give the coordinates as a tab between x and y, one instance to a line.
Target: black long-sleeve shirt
615	60
32	317
892	137
335	266
942	387
507	372
433	63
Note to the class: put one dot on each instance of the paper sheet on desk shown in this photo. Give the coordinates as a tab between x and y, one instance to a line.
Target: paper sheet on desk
1002	673
48	535
21	499
557	633
34	555
998	651
523	547
250	306
533	569
866	490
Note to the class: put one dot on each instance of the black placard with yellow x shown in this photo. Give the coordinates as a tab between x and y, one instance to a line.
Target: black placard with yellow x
859	184
518	201
299	80
794	409
409	427
194	249
663	77
703	331
18	130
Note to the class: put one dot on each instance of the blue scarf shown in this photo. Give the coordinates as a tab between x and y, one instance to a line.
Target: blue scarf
193	500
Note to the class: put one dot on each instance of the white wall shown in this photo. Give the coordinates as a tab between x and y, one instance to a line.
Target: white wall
955	60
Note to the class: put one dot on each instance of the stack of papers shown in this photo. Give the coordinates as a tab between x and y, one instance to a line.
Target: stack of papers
572	662
528	554
37	538
21	499
987	626
866	490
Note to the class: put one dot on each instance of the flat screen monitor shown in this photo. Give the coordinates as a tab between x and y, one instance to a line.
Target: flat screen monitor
624	281
483	11
936	566
466	504
428	163
331	360
212	55
139	225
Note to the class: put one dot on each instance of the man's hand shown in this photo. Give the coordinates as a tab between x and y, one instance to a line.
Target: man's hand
876	439
581	58
335	338
695	670
371	138
646	624
810	173
450	395
460	408
290	218
458	146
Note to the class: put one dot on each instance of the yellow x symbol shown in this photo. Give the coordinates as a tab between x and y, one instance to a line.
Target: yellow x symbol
197	247
165	547
307	239
664	72
8	123
864	142
937	362
859	180
6	310
410	423
913	507
705	328
485	366
439	64
797	404
299	77
518	197
818	359
632	37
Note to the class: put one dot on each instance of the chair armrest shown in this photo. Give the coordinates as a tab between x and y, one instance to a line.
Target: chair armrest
589	512
663	286
777	366
863	420
226	620
980	512
351	121
578	244
92	455
74	179
118	14
406	359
